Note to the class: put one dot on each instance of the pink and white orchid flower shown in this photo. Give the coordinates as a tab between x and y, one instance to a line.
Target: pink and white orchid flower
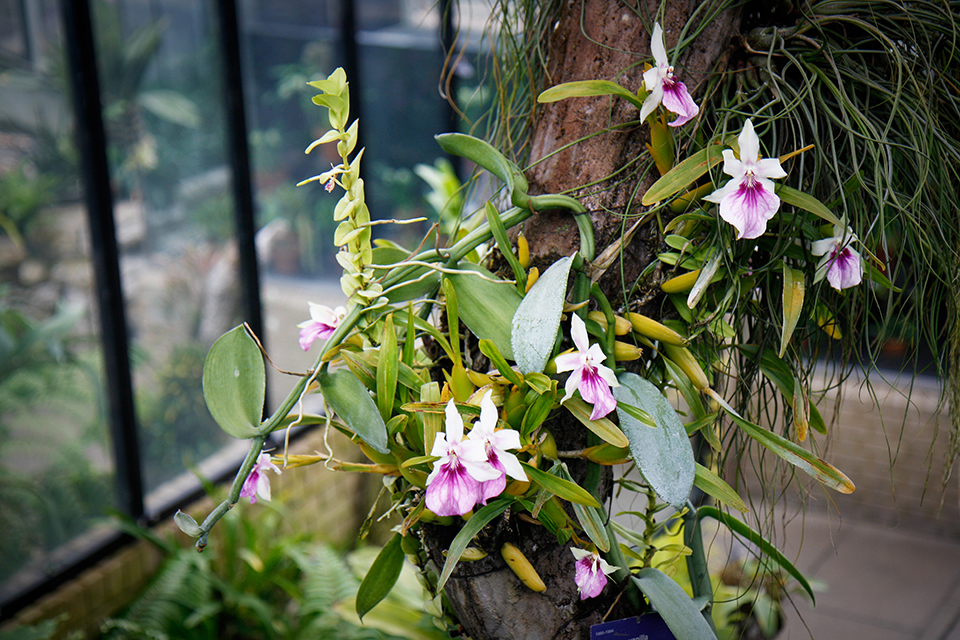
843	265
453	486
592	572
748	201
495	443
664	87
257	483
590	376
321	325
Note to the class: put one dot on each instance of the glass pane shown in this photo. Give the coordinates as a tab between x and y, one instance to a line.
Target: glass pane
163	107
56	471
287	44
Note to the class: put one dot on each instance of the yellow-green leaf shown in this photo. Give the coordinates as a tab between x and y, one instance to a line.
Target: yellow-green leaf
569	491
793	289
607	431
806	202
682	176
713	485
587	88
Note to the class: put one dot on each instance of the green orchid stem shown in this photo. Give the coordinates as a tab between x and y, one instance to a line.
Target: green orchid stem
610	335
256	446
697	560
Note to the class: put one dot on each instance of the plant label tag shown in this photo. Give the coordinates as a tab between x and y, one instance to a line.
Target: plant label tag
648	627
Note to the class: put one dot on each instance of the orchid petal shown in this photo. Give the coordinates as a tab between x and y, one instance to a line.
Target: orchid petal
677	99
657	47
749	143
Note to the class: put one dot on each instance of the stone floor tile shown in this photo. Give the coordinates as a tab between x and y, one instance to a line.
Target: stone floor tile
820	625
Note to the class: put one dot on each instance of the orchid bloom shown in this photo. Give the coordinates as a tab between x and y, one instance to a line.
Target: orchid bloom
495	443
453	487
257	483
321	325
843	265
664	86
748	201
592	572
589	376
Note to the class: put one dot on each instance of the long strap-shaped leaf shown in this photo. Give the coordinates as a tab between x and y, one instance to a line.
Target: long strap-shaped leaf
467	533
742	529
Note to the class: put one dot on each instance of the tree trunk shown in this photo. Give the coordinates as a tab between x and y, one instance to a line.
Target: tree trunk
594	39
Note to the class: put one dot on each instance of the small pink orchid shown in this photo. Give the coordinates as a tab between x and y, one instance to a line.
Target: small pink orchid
664	87
748	201
592	572
590	376
495	444
321	325
257	483
453	487
841	263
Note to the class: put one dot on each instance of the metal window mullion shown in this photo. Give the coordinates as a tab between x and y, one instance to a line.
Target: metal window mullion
95	176
239	154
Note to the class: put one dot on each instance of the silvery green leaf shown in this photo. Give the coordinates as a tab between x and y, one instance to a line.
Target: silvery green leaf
187	524
663	455
537	320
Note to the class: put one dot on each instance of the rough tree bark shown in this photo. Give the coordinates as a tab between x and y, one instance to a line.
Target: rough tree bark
593	39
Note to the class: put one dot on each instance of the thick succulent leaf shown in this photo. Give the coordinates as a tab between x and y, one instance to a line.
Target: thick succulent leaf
663	455
537	320
351	401
680	613
234	383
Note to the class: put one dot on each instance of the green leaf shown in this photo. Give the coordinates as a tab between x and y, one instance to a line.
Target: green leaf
587	88
823	471
351	401
807	202
483	154
187	524
419	281
234	383
381	577
453	318
684	174
663	455
470	529
506	249
777	371
569	491
387	367
489	349
591	519
171	106
486	306
793	288
682	616
742	529
607	431
713	485
537	320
